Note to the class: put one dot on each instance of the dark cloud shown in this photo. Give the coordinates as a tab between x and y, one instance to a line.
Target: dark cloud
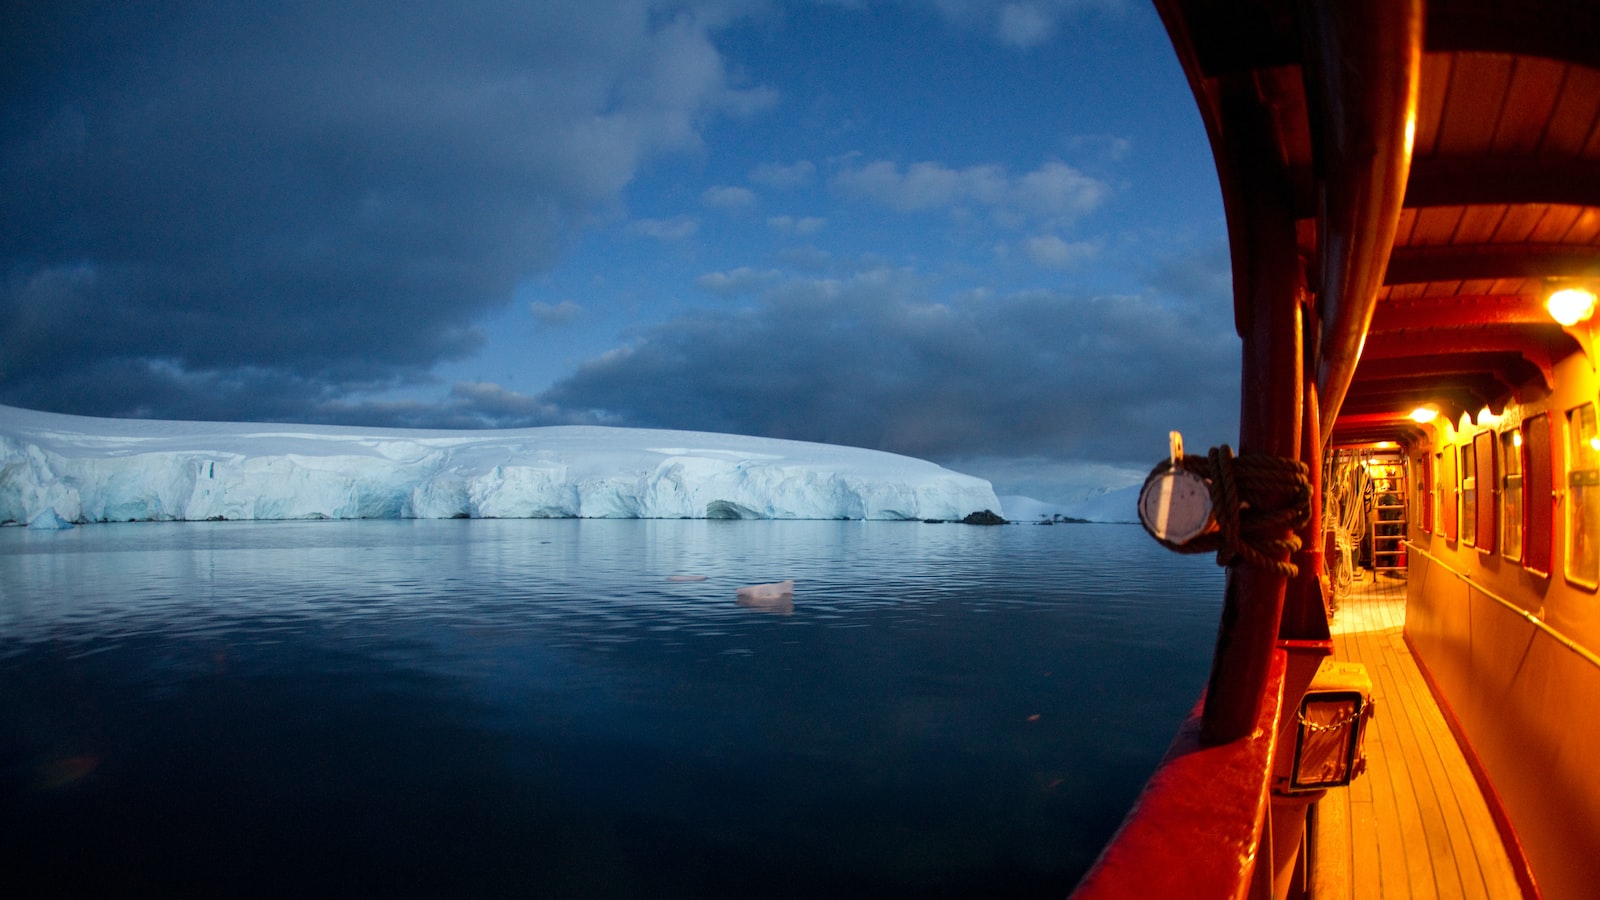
867	361
239	201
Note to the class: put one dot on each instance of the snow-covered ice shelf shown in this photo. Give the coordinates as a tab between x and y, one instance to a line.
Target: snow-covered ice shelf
117	470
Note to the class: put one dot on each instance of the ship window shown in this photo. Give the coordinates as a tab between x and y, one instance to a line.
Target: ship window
1483	452
1469	496
1583	495
1446	460
1425	492
1538	495
1511	495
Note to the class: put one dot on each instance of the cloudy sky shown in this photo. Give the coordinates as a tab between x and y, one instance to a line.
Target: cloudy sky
981	232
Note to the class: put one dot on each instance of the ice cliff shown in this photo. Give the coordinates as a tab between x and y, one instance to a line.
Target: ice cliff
116	470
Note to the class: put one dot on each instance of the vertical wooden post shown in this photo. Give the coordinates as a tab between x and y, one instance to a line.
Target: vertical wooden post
1269	280
1304	613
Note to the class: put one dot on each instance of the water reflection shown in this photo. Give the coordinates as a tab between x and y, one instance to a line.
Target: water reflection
519	707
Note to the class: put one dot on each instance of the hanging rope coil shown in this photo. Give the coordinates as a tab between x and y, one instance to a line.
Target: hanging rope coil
1258	503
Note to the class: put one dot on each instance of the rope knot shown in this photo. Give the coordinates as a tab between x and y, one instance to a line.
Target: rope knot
1258	503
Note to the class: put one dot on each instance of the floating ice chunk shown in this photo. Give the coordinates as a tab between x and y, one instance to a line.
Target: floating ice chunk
49	521
774	597
768	591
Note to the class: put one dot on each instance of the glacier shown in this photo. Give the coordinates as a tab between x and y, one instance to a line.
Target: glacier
81	470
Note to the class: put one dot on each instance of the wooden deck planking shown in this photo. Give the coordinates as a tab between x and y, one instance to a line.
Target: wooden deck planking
1451	781
1415	825
1419	801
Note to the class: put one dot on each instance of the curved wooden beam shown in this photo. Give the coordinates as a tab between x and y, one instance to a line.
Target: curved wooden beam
1362	67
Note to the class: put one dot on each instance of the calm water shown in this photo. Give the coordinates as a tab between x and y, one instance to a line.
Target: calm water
532	709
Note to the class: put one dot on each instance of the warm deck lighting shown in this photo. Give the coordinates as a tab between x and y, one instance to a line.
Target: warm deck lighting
1422	415
1569	306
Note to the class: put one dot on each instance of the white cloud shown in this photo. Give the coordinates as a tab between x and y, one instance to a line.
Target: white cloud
727	197
1051	252
743	280
1054	191
555	315
674	229
1056	188
807	258
1024	24
1108	147
793	225
780	176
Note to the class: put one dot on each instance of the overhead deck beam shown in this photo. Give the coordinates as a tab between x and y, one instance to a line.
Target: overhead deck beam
1509	370
1552	29
1368	428
1538	347
1502	181
1400	394
1473	262
1400	432
1455	310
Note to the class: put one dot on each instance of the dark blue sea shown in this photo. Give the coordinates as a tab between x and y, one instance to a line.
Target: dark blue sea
497	708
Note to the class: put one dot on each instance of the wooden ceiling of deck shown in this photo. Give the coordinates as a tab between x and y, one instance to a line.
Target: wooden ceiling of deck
1502	197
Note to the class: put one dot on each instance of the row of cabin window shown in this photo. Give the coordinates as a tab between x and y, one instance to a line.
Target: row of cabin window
1519	464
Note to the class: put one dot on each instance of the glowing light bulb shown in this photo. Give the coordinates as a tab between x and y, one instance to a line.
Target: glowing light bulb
1571	305
1422	415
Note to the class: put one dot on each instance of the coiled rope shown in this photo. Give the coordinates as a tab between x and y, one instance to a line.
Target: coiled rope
1258	503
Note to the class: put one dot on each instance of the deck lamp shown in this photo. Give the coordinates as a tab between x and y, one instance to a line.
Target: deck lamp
1331	727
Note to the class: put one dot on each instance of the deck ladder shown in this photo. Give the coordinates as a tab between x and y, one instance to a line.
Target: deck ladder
1388	512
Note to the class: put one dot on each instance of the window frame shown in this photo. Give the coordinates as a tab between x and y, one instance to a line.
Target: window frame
1581	563
1538	495
1424	489
1484	446
1449	488
1511	484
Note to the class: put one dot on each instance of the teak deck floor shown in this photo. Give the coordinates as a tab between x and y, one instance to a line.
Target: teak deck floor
1416	824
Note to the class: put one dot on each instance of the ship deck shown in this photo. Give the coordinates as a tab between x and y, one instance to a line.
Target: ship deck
1416	825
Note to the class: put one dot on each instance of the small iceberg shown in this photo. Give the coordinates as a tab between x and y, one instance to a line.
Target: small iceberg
774	597
769	591
49	521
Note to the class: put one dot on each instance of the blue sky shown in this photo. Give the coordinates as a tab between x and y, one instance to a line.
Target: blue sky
983	233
